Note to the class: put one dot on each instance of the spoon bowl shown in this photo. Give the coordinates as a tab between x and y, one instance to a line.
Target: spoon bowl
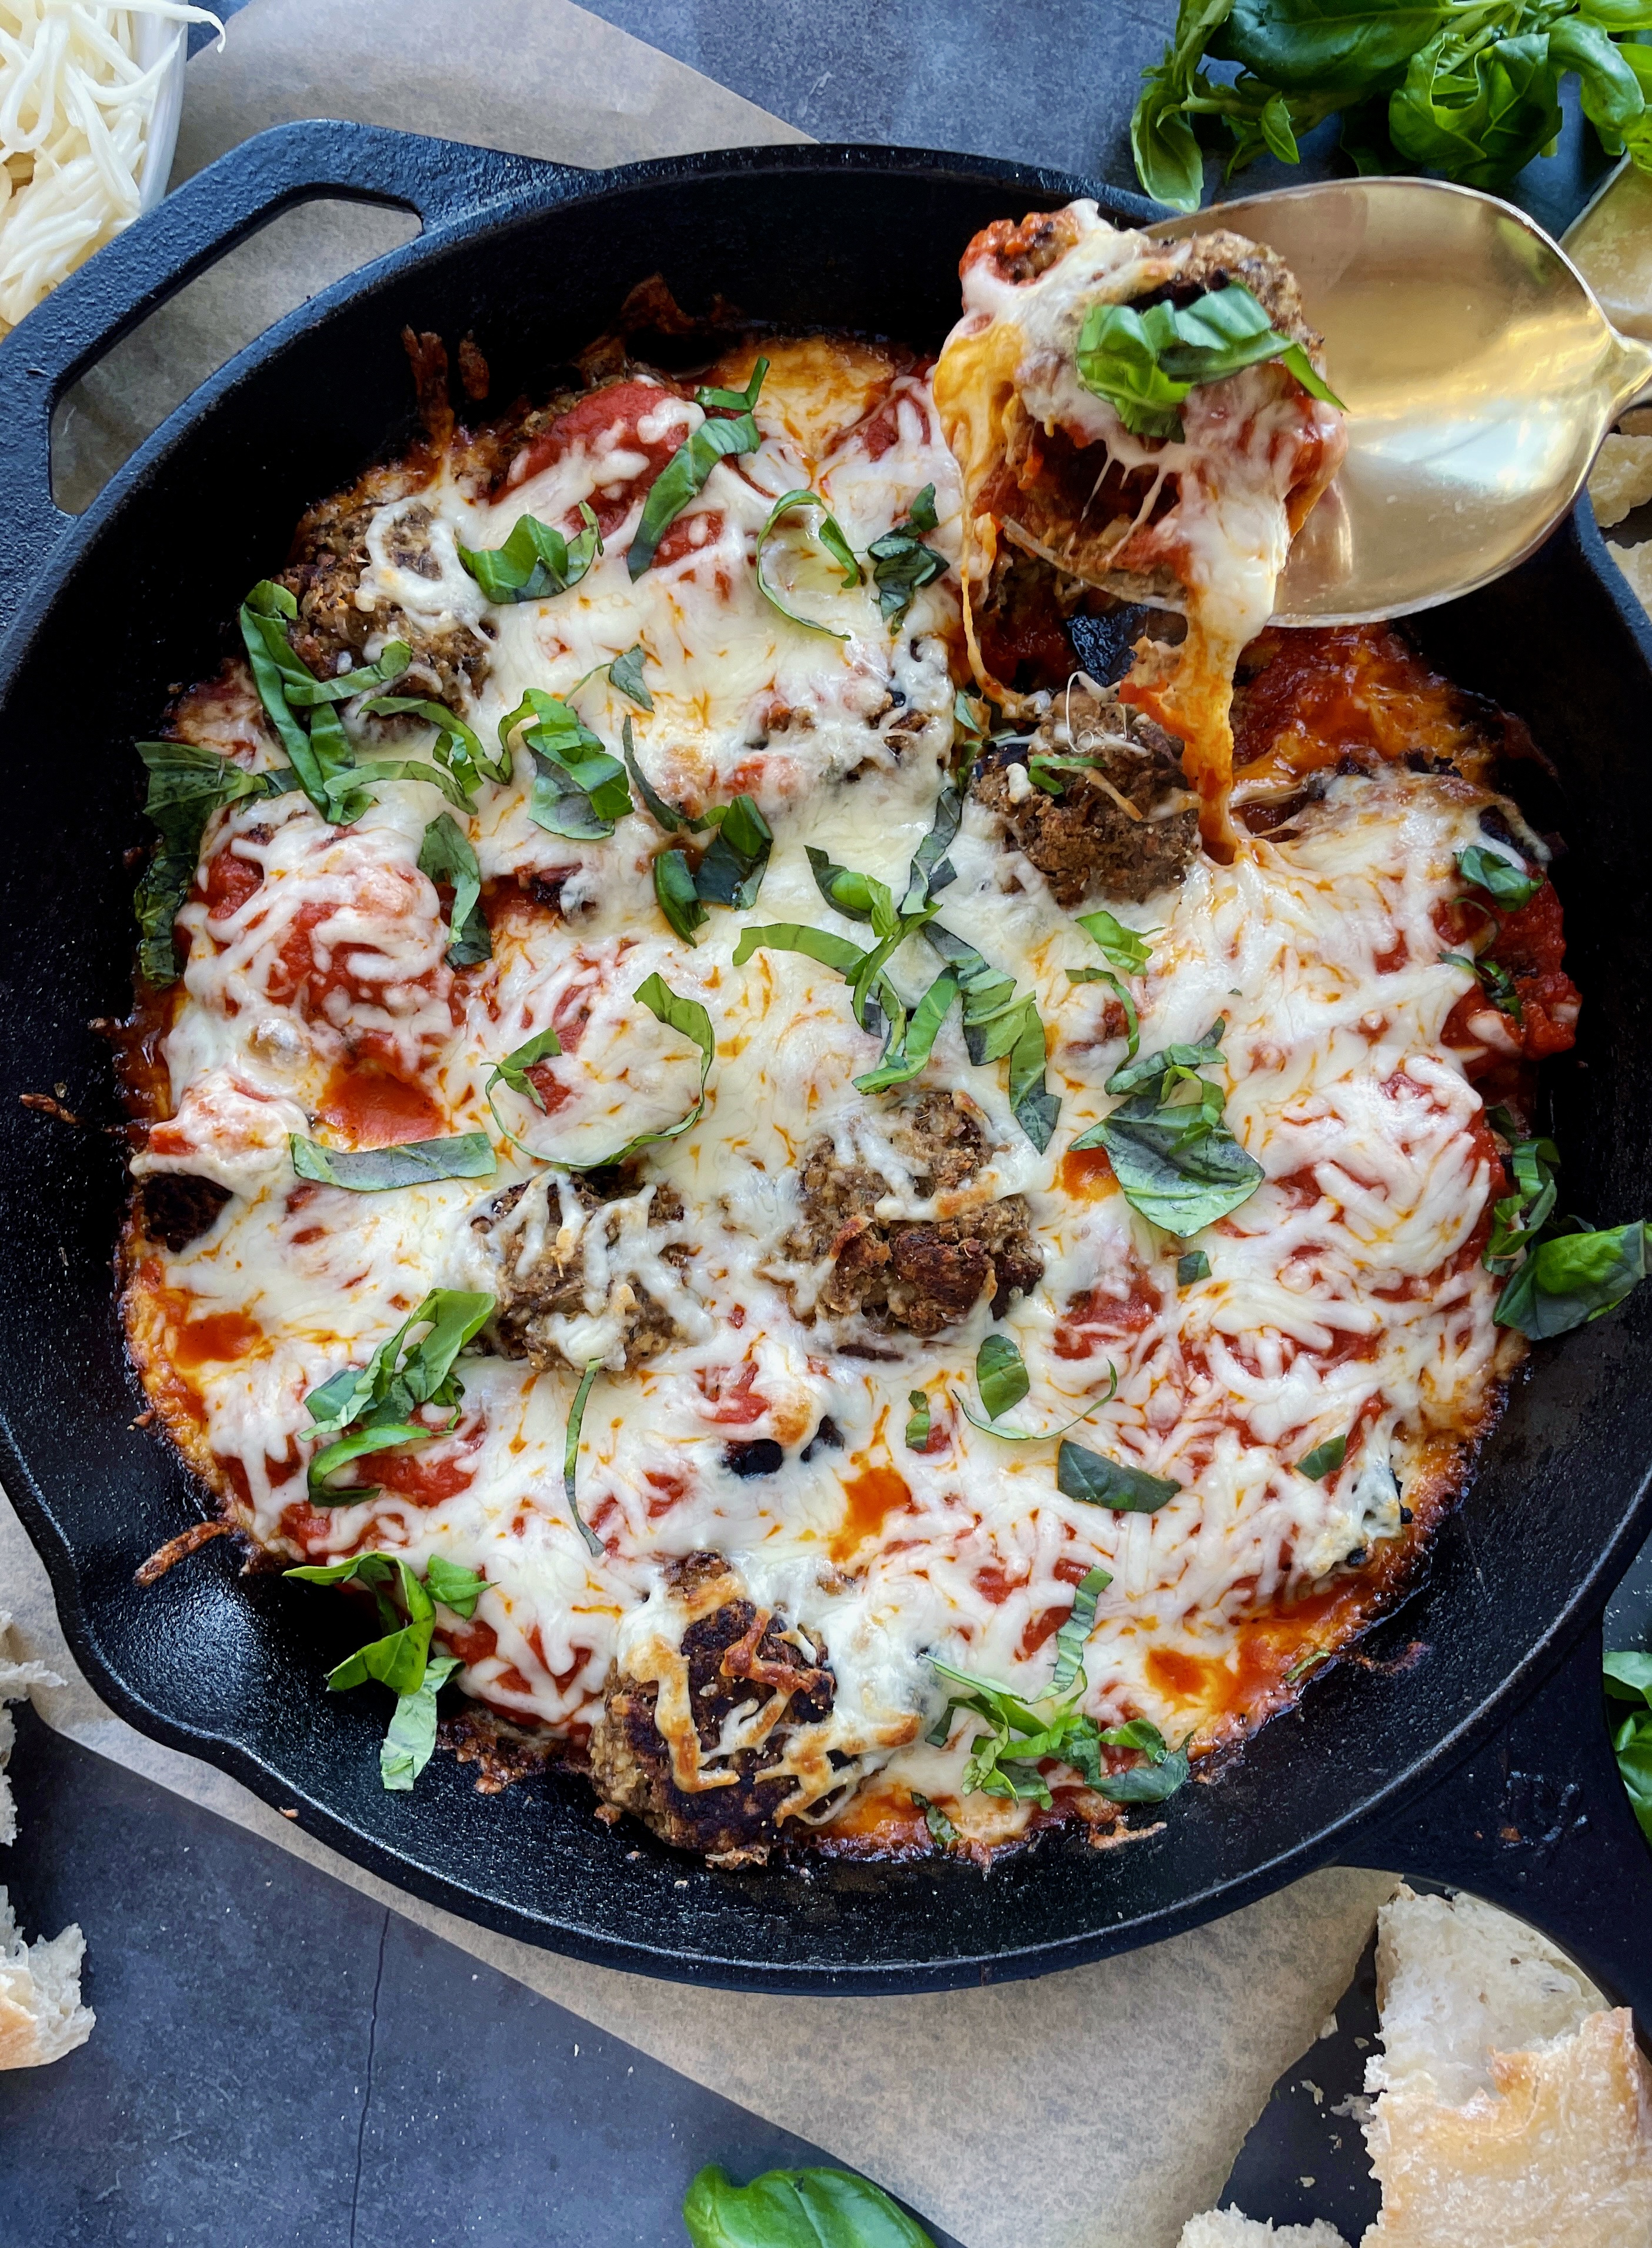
1479	372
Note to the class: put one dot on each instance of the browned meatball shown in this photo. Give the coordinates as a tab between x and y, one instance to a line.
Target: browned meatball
537	1286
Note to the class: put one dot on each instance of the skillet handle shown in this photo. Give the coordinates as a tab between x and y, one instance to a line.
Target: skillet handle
1538	1822
442	181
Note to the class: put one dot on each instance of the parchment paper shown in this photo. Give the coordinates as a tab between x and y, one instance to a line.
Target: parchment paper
1093	2109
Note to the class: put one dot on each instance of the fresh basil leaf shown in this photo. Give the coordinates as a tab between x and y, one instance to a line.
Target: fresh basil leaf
536	562
445	855
676	896
857	896
372	1410
942	1832
1145	364
732	870
796	2208
456	1588
1324	1459
458	749
1305	45
1195	1266
512	1072
1151	1069
1153	1782
1132	1019
1628	1675
414	1163
1609	89
664	815
411	1742
1174	1160
186	786
1509	885
1000	1375
580	791
624	676
931	870
909	1048
1477	114
1071	1639
996	1427
1517	1220
1122	948
828	534
1168	161
901	564
684	475
918	1421
998	1023
570	1457
821	944
1573	1278
1097	1481
396	1661
390	663
690	1019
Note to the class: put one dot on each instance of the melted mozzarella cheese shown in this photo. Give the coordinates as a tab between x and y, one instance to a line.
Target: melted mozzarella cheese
1344	1295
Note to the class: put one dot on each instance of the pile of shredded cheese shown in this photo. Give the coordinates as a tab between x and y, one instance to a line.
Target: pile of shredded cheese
77	108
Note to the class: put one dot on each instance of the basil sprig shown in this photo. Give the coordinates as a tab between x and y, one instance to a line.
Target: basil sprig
571	1455
536	561
1014	1736
1174	1159
186	786
1566	1276
325	763
413	1163
901	563
1146	364
579	790
684	475
1126	950
796	2208
1628	1679
829	535
1097	1481
371	1409
402	1660
1509	885
1469	91
446	855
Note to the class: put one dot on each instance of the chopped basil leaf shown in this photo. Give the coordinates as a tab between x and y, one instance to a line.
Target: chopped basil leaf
665	816
1174	1160
1145	364
446	856
371	1411
1071	1639
398	1660
1518	1219
410	1741
676	894
1001	1375
796	2208
1310	1659
389	664
918	1421
1161	1777
909	1049
570	1457
1121	946
536	562
580	791
1132	1020
456	1588
624	676
821	944
942	1830
732	870
1195	1265
1628	1678
901	563
684	475
1020	1735
1509	885
1324	1459
186	786
690	1019
857	896
512	1072
414	1163
1572	1279
458	749
1097	1481
931	870
829	535
996	1024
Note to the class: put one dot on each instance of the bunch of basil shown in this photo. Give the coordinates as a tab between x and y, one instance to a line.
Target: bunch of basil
1469	88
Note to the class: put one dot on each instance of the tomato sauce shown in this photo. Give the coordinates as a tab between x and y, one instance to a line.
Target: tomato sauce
372	1108
873	1496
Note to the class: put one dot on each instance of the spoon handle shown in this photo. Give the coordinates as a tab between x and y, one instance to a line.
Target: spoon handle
1610	243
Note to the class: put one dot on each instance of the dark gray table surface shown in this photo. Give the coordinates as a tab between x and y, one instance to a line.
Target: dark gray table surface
280	2063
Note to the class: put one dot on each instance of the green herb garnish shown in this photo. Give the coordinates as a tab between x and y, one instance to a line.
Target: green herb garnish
1569	1280
446	856
1324	1459
1146	364
901	563
1628	1678
624	676
684	475
918	1421
1173	1157
536	562
371	1409
796	2208
414	1163
571	1455
1020	1735
828	534
1073	1636
942	1832
579	790
1097	1481
186	786
1195	1266
1126	950
999	1024
1509	885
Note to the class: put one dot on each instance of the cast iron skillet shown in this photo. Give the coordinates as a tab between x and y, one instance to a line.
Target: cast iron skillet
1419	1757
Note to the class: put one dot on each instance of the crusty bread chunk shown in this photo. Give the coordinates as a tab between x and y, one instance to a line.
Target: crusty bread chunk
15	1679
1516	2111
41	2016
1225	2228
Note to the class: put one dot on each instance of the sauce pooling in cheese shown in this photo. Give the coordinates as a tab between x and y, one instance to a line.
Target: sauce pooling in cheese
749	1402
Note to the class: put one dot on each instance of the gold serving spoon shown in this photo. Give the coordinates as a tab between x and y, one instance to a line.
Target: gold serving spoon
1479	372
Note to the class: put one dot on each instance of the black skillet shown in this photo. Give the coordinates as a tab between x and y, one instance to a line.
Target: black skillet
1420	1756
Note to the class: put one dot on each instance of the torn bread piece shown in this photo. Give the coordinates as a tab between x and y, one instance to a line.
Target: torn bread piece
1622	478
1515	2109
17	1678
1225	2228
1112	462
41	2016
